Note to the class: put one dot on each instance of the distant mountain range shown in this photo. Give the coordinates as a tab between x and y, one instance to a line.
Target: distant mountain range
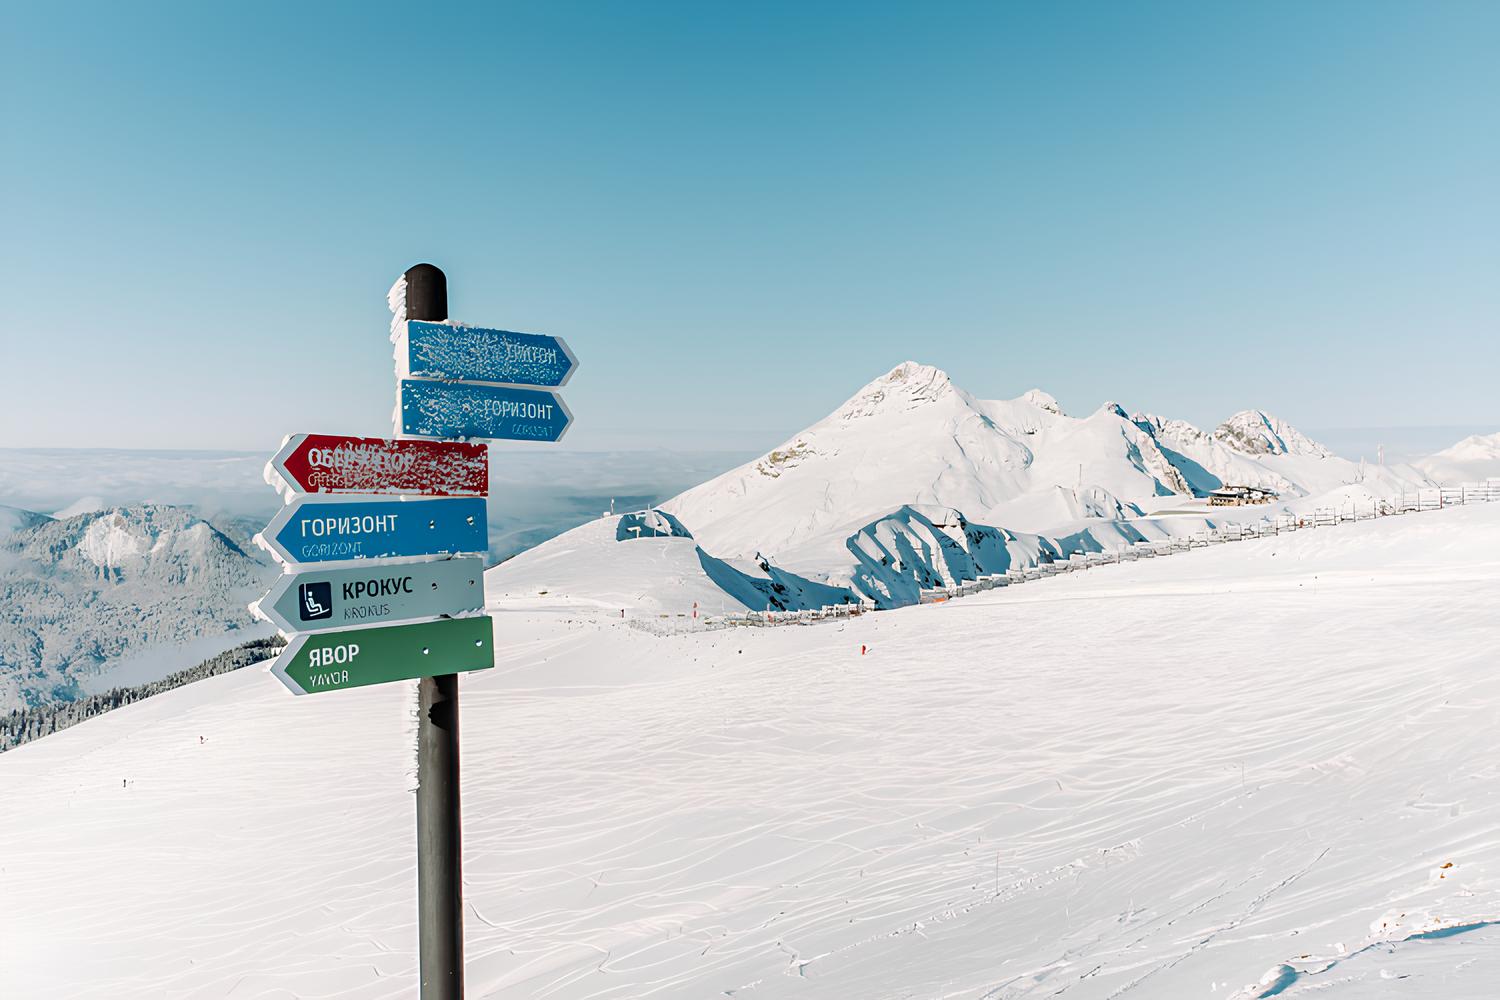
1475	457
78	594
914	482
913	437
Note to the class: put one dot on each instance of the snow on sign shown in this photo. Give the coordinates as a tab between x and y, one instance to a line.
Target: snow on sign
312	529
373	593
477	410
452	352
332	661
338	463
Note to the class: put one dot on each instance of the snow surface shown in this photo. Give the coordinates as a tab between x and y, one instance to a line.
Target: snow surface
1253	769
605	565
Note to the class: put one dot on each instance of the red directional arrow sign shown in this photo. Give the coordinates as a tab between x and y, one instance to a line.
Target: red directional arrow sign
336	463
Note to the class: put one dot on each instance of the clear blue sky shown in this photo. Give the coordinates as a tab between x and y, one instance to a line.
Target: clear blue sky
739	213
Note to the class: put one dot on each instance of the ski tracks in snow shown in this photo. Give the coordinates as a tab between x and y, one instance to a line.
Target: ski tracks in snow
1011	798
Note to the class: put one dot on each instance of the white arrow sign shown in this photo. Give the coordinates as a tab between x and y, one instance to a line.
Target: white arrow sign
375	592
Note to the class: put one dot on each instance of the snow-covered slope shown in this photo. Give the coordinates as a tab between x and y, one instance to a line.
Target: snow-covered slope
81	593
649	564
889	562
1252	770
1475	457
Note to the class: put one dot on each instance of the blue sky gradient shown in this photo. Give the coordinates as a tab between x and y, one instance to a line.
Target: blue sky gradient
738	214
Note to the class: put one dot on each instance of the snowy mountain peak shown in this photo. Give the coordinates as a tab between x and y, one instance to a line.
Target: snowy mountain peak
151	541
1475	457
108	542
85	591
1042	401
1166	429
1255	432
912	438
905	387
1474	448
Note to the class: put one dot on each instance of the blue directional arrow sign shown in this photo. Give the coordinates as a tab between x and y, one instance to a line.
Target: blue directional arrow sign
312	529
450	352
472	410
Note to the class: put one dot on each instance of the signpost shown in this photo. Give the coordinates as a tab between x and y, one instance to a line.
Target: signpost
311	530
453	352
479	410
389	611
333	661
338	463
374	593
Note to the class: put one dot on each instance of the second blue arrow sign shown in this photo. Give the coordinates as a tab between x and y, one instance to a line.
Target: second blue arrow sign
475	410
311	530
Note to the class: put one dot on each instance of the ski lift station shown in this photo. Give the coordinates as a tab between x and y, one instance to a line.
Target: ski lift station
1239	496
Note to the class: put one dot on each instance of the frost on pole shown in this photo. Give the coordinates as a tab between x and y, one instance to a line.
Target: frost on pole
396	300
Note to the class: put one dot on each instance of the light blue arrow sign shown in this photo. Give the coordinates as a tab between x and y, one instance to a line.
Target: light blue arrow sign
373	592
471	410
475	354
312	529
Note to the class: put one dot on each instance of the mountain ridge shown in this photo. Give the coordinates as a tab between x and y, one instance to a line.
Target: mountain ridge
912	435
865	500
80	592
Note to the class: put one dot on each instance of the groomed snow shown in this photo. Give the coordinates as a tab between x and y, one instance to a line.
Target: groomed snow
1250	768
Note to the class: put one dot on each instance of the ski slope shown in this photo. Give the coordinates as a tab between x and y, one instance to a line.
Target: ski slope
1252	770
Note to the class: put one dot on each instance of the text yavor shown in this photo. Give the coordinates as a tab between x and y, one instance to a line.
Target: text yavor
329	655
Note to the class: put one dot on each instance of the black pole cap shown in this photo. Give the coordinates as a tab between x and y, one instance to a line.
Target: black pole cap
426	293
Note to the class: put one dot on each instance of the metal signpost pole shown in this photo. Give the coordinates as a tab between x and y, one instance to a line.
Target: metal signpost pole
440	904
381	542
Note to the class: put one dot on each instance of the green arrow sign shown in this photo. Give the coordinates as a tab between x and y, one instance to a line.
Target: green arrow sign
332	661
